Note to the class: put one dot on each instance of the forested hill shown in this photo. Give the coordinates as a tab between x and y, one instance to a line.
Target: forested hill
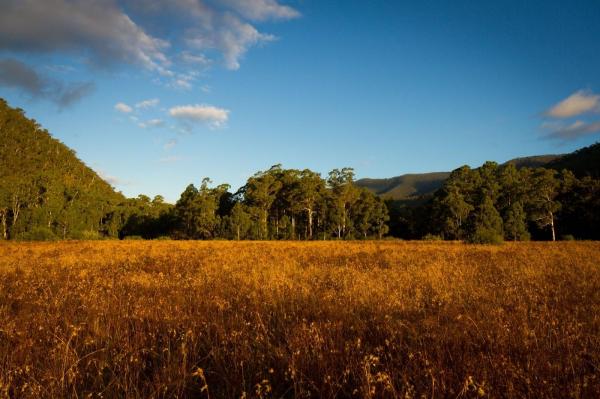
415	186
407	186
583	162
44	188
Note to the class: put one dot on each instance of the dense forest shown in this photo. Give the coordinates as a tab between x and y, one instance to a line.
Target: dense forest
46	192
494	203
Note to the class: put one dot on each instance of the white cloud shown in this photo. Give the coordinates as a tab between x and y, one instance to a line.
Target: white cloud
148	103
260	10
151	123
182	84
575	130
577	103
98	29
219	25
107	33
124	108
16	74
199	59
213	116
233	38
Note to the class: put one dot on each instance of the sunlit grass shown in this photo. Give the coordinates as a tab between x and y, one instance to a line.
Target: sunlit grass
268	319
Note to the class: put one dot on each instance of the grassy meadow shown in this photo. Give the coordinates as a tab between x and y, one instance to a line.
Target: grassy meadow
168	319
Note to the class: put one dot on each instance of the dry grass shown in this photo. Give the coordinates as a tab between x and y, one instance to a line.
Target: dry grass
374	319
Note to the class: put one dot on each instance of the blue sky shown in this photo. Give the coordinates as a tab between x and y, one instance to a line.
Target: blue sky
157	94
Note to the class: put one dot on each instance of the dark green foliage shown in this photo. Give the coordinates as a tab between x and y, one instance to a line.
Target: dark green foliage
535	161
283	204
583	162
45	190
38	233
515	223
495	202
487	225
580	213
144	217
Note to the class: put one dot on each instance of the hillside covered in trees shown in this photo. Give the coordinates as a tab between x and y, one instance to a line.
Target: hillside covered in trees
495	202
46	192
413	188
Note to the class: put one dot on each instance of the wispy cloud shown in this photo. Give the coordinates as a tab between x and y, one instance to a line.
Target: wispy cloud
107	33
260	10
17	75
578	103
571	131
583	104
124	108
197	59
99	29
207	114
225	26
151	123
182	84
233	39
148	103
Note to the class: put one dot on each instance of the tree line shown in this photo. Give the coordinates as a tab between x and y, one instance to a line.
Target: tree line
494	203
46	192
276	204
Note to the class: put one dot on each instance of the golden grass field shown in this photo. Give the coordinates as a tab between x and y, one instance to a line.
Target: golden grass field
281	319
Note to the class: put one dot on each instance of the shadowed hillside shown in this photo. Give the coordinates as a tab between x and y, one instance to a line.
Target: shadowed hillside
535	161
583	162
405	186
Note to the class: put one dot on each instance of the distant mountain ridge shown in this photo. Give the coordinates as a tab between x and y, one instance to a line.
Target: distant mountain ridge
413	186
535	161
406	186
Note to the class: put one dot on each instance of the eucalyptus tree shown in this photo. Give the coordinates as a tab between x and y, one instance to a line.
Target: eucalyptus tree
543	190
343	196
307	192
260	192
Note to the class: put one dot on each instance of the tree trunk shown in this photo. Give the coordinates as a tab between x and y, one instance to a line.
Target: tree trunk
238	232
344	222
4	229
15	210
265	227
310	222
293	227
552	226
